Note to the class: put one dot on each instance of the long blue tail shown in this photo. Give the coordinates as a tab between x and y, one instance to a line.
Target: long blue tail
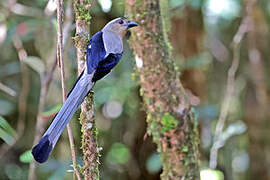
43	149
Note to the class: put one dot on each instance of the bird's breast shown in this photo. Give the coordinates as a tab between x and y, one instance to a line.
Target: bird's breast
112	43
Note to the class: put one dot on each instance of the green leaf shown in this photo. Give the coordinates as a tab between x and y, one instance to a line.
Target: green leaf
35	63
7	133
6	137
52	111
26	157
6	127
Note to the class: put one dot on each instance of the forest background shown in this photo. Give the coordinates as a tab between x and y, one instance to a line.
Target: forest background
219	49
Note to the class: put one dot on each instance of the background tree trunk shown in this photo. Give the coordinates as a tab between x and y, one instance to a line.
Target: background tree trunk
169	115
257	101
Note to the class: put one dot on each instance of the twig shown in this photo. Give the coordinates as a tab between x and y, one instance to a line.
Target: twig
60	59
236	44
7	90
45	83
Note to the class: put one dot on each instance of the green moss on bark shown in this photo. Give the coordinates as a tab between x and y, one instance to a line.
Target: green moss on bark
81	9
169	116
89	131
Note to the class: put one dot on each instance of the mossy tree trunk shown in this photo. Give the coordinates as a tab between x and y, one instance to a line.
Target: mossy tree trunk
170	119
89	136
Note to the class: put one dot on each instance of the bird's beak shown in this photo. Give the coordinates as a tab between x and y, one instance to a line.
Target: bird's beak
131	24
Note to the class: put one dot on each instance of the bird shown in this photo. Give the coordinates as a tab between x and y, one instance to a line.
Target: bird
103	53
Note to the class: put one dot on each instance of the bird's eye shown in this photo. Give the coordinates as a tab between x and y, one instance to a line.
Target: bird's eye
121	21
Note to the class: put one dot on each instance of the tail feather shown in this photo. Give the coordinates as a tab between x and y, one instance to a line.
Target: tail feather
42	150
46	144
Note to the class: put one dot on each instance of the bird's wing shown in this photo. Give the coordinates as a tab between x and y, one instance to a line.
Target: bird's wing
95	52
105	66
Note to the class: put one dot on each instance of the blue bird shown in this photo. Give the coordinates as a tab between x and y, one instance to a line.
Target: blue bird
104	51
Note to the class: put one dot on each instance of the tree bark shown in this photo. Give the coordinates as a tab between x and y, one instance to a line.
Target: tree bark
186	36
257	101
169	114
89	131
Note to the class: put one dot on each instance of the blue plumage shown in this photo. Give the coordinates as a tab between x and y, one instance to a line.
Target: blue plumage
42	151
97	64
96	59
95	52
105	66
102	56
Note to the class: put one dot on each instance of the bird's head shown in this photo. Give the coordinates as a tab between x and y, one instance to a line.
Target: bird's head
119	26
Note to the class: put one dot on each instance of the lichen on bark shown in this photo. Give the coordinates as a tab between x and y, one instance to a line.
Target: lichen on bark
89	132
170	119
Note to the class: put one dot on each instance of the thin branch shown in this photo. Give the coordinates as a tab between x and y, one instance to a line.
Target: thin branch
7	90
60	46
236	44
60	59
45	83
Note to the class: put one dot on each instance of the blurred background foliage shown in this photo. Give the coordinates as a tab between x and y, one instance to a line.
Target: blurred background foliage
201	34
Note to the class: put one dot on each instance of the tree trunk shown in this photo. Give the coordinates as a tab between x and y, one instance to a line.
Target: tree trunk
257	101
89	131
169	115
186	36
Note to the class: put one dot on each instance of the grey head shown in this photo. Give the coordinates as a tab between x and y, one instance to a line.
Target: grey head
113	32
119	26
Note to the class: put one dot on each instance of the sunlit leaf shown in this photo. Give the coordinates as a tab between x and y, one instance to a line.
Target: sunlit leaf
6	127
26	157
153	163
35	63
